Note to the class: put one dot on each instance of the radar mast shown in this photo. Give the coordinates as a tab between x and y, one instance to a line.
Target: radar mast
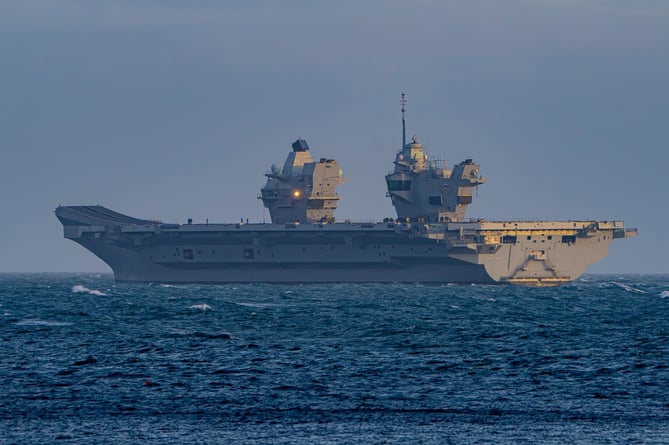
403	101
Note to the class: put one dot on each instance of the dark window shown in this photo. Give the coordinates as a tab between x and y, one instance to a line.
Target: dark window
464	199
508	239
188	254
435	200
569	239
395	185
248	254
550	237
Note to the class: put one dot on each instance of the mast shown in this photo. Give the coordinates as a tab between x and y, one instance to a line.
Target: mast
403	101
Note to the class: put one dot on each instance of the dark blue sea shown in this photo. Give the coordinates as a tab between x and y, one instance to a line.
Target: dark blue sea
86	360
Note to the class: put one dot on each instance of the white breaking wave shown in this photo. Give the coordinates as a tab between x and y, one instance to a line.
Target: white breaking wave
629	288
264	305
202	307
33	322
79	289
260	305
665	294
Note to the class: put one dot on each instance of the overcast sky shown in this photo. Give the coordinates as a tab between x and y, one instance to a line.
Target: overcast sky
175	109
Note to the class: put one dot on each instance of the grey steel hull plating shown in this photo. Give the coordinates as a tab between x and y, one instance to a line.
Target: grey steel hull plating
136	265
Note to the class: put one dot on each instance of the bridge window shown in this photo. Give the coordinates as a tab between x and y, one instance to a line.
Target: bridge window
569	239
508	239
398	185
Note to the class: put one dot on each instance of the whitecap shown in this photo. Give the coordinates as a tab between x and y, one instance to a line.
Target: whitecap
202	307
664	294
78	288
263	305
34	322
257	305
629	288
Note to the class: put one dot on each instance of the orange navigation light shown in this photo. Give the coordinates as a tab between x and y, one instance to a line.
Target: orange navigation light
297	194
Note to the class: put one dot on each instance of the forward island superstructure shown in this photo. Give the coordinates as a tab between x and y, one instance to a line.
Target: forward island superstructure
429	241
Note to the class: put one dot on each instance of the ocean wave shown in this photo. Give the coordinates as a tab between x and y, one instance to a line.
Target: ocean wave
255	305
35	322
389	356
78	288
264	305
202	307
628	288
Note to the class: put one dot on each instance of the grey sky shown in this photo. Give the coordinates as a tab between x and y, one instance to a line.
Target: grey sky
173	110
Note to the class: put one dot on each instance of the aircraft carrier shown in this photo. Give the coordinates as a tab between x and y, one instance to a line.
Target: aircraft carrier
429	241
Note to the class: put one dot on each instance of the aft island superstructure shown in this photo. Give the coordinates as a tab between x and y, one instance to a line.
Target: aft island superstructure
429	241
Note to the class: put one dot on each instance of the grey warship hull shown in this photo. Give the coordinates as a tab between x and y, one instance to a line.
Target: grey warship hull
530	253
